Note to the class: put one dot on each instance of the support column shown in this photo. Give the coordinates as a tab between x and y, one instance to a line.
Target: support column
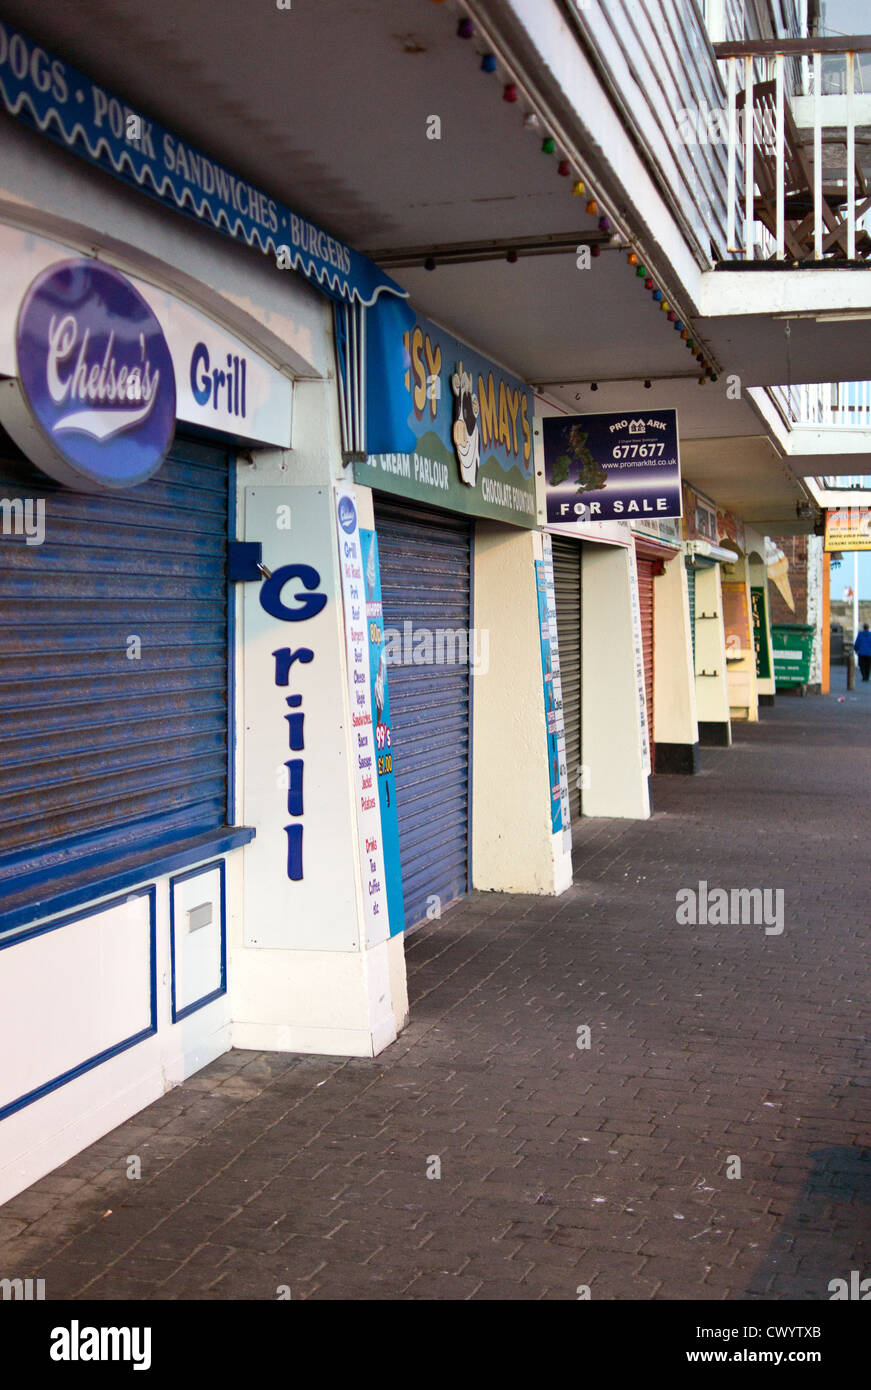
303	975
712	690
759	580
611	705
514	848
740	652
826	683
676	731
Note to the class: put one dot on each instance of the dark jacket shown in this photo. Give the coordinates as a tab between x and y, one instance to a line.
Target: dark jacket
862	644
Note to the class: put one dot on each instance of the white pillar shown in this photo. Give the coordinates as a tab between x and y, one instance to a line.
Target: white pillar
676	731
611	707
514	848
712	687
302	977
741	670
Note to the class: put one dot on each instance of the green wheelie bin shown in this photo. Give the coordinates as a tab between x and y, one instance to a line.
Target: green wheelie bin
792	645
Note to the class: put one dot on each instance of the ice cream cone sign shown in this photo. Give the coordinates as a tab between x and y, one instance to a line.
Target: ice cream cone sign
778	572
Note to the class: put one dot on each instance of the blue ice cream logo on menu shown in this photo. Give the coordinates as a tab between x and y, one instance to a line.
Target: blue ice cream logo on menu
97	375
347	515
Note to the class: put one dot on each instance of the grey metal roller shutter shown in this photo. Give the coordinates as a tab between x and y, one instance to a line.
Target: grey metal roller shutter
426	584
691	589
567	586
101	754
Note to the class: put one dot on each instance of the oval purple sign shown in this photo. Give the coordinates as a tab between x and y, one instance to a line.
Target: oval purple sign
96	373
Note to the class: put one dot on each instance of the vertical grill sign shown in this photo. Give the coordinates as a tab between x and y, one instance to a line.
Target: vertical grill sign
96	376
308	603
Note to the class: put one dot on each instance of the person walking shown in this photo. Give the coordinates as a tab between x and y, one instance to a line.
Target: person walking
862	648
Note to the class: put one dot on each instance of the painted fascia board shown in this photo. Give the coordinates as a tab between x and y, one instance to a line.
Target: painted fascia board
838	440
833	111
767	293
837	500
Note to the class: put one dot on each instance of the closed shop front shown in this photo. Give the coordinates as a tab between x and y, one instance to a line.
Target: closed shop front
147	486
691	593
427	598
567	586
471	472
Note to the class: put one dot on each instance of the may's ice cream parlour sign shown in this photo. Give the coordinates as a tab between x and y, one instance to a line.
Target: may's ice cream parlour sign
473	426
612	467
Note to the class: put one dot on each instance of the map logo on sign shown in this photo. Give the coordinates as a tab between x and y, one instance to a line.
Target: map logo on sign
96	375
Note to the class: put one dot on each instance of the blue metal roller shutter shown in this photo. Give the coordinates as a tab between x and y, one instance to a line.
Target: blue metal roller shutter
691	590
100	754
426	582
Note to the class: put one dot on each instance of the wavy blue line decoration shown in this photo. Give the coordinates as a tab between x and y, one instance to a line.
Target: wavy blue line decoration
50	96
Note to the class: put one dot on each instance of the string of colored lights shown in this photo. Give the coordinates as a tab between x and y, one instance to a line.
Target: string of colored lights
511	93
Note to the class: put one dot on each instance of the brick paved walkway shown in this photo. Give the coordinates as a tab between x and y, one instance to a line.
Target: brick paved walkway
559	1166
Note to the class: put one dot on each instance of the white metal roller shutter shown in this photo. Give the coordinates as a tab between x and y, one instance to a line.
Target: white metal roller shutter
427	587
567	587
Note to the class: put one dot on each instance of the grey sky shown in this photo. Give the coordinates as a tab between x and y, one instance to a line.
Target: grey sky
847	16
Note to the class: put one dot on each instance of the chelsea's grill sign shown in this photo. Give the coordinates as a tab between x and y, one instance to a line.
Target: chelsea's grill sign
96	373
102	365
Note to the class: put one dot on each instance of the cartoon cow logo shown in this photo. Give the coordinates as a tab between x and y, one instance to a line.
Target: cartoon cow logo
465	433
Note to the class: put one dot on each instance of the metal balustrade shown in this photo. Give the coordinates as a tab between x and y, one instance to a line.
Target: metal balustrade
796	189
826	405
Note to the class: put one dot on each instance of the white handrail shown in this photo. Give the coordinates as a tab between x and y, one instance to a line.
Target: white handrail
827	405
750	135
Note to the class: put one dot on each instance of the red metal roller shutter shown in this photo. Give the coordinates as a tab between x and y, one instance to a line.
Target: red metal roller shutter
646	571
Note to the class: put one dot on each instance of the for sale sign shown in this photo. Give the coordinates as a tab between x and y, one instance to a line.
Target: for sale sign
848	528
612	467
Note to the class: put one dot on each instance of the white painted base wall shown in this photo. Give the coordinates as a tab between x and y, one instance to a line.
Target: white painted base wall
69	994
